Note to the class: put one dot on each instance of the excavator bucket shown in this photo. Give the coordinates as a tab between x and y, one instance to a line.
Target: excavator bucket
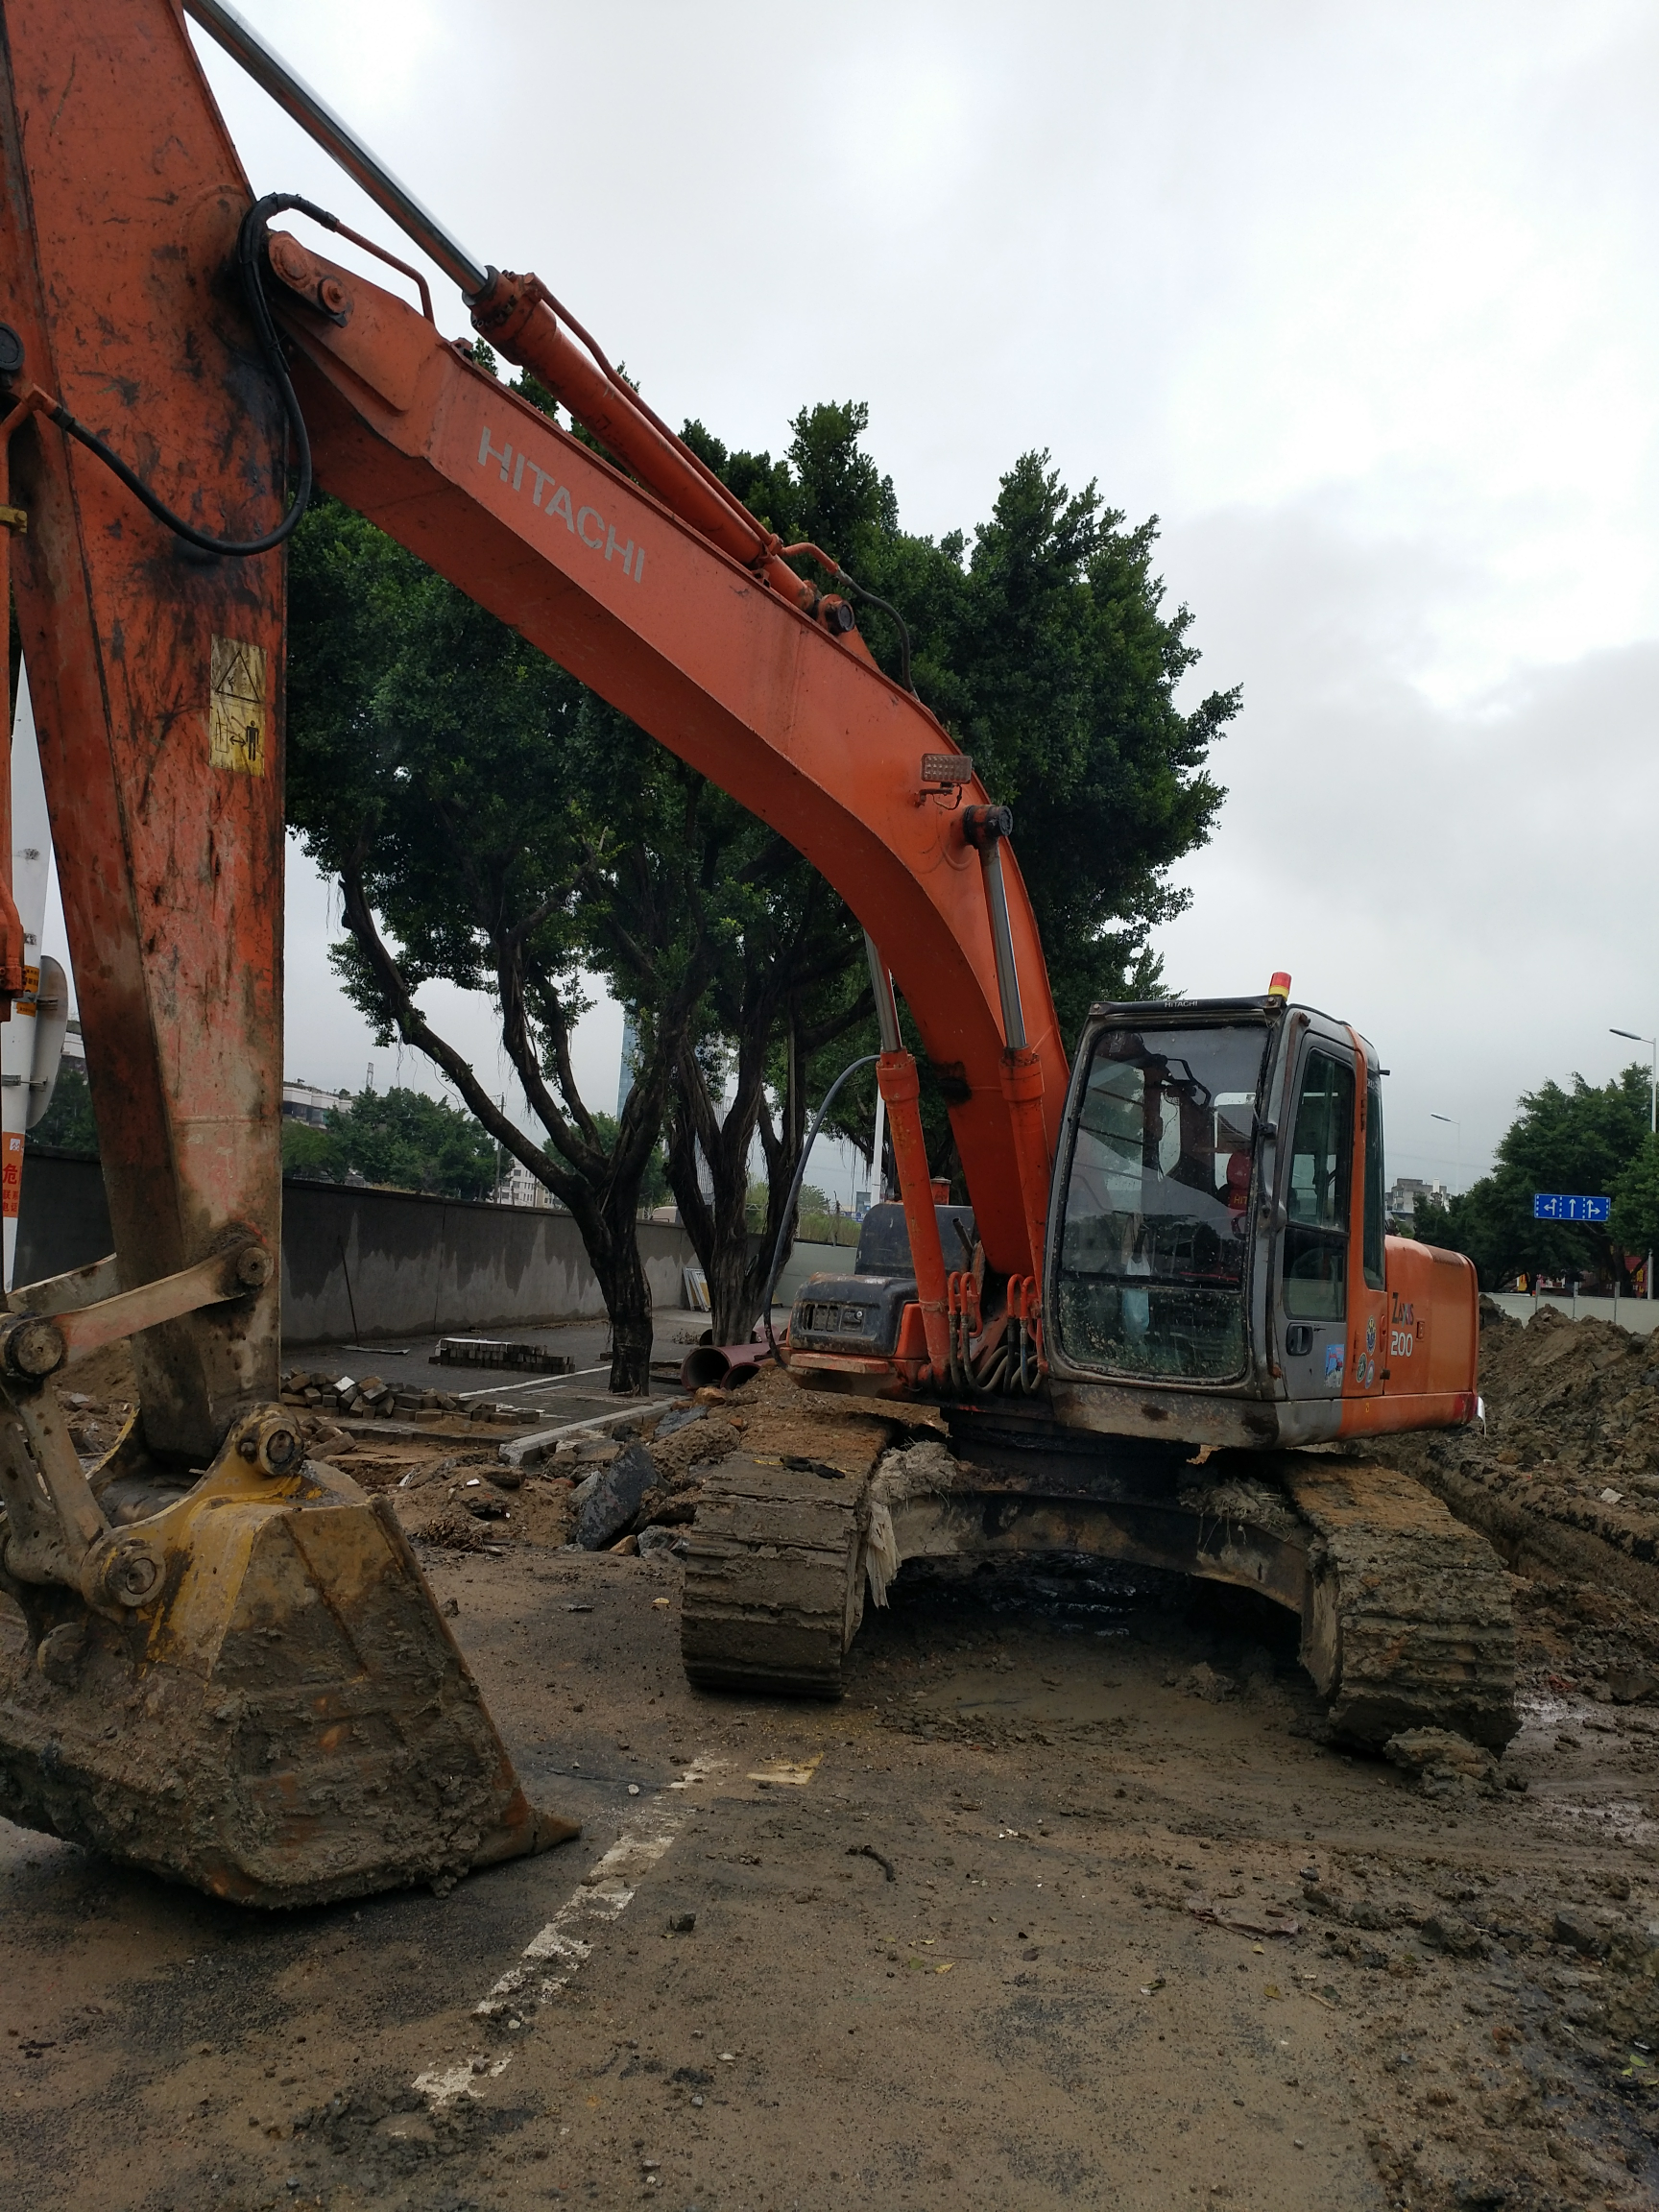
262	1699
217	1659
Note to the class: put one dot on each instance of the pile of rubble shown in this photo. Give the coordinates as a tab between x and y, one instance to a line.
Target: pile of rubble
1579	1399
341	1397
633	1488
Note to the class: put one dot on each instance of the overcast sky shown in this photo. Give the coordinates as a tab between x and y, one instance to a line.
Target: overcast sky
1358	300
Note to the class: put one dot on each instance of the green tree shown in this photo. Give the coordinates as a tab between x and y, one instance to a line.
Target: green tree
399	1140
313	1153
67	1123
494	824
1634	1225
1047	653
1582	1140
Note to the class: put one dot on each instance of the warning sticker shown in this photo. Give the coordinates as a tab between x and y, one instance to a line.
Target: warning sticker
238	714
10	1173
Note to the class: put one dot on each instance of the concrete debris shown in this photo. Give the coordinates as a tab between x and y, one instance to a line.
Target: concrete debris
656	1542
1206	1682
615	1500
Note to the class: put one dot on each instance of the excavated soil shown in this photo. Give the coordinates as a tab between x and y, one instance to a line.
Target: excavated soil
1563	1479
1069	1901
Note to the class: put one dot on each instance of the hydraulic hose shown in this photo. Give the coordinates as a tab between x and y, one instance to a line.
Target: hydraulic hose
830	1097
250	243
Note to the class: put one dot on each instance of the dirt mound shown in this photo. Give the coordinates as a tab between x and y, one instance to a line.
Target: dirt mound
1580	1397
1563	1479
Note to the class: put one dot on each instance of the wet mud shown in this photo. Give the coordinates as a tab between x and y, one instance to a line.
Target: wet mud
1069	1899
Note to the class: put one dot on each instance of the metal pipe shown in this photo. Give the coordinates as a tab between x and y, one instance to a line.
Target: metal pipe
886	1009
985	828
336	137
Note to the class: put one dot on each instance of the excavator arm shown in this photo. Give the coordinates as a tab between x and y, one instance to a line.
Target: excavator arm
766	696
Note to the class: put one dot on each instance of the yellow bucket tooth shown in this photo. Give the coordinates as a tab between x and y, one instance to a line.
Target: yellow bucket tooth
279	1716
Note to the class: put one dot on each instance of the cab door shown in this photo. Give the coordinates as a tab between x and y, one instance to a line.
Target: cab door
1317	1194
1367	1362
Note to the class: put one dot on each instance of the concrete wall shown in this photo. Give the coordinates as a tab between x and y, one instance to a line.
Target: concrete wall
1640	1315
403	1262
371	1264
62	1219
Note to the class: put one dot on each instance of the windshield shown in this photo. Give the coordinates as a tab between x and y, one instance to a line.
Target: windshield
885	1240
1154	1241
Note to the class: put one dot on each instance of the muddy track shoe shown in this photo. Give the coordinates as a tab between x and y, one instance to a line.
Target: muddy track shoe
256	1695
1407	1622
774	1589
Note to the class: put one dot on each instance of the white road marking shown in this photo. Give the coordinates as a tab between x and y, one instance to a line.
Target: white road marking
535	1382
559	1950
797	1771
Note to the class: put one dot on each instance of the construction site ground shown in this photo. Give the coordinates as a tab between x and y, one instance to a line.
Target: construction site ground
1068	1900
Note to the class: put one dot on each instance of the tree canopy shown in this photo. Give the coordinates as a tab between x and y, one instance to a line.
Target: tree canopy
67	1123
399	1138
1045	649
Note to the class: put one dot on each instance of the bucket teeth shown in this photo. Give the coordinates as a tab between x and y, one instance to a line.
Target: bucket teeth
284	1720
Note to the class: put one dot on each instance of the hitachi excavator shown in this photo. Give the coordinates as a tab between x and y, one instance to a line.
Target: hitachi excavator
219	1658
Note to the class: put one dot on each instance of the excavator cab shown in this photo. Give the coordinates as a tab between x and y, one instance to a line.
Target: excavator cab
1218	1267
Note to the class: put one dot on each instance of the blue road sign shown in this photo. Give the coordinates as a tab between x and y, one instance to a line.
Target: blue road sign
1552	1206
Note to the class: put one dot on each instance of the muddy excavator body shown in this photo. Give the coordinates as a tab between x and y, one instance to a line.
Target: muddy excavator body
1220	1294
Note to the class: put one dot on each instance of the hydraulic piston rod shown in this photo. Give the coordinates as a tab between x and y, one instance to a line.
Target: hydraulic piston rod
336	136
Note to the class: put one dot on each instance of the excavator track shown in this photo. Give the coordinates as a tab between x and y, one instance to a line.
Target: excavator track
1410	1624
773	1583
773	1570
1404	1613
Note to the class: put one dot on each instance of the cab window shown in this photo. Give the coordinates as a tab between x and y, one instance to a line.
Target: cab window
1376	1277
1156	1236
1316	1200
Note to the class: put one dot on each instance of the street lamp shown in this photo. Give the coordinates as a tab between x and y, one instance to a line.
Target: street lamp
1456	1128
1653	1044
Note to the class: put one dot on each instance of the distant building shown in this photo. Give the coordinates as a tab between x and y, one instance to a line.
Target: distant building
517	1187
1407	1189
629	1059
304	1102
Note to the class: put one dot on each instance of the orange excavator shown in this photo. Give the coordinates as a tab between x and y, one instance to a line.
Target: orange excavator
218	1657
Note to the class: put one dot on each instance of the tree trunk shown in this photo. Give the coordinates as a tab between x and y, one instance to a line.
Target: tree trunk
625	1291
631	1336
732	1295
601	1191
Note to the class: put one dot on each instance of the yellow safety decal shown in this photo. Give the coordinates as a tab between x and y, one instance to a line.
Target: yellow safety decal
238	714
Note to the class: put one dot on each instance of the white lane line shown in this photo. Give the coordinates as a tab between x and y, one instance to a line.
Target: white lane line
535	1382
559	1950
